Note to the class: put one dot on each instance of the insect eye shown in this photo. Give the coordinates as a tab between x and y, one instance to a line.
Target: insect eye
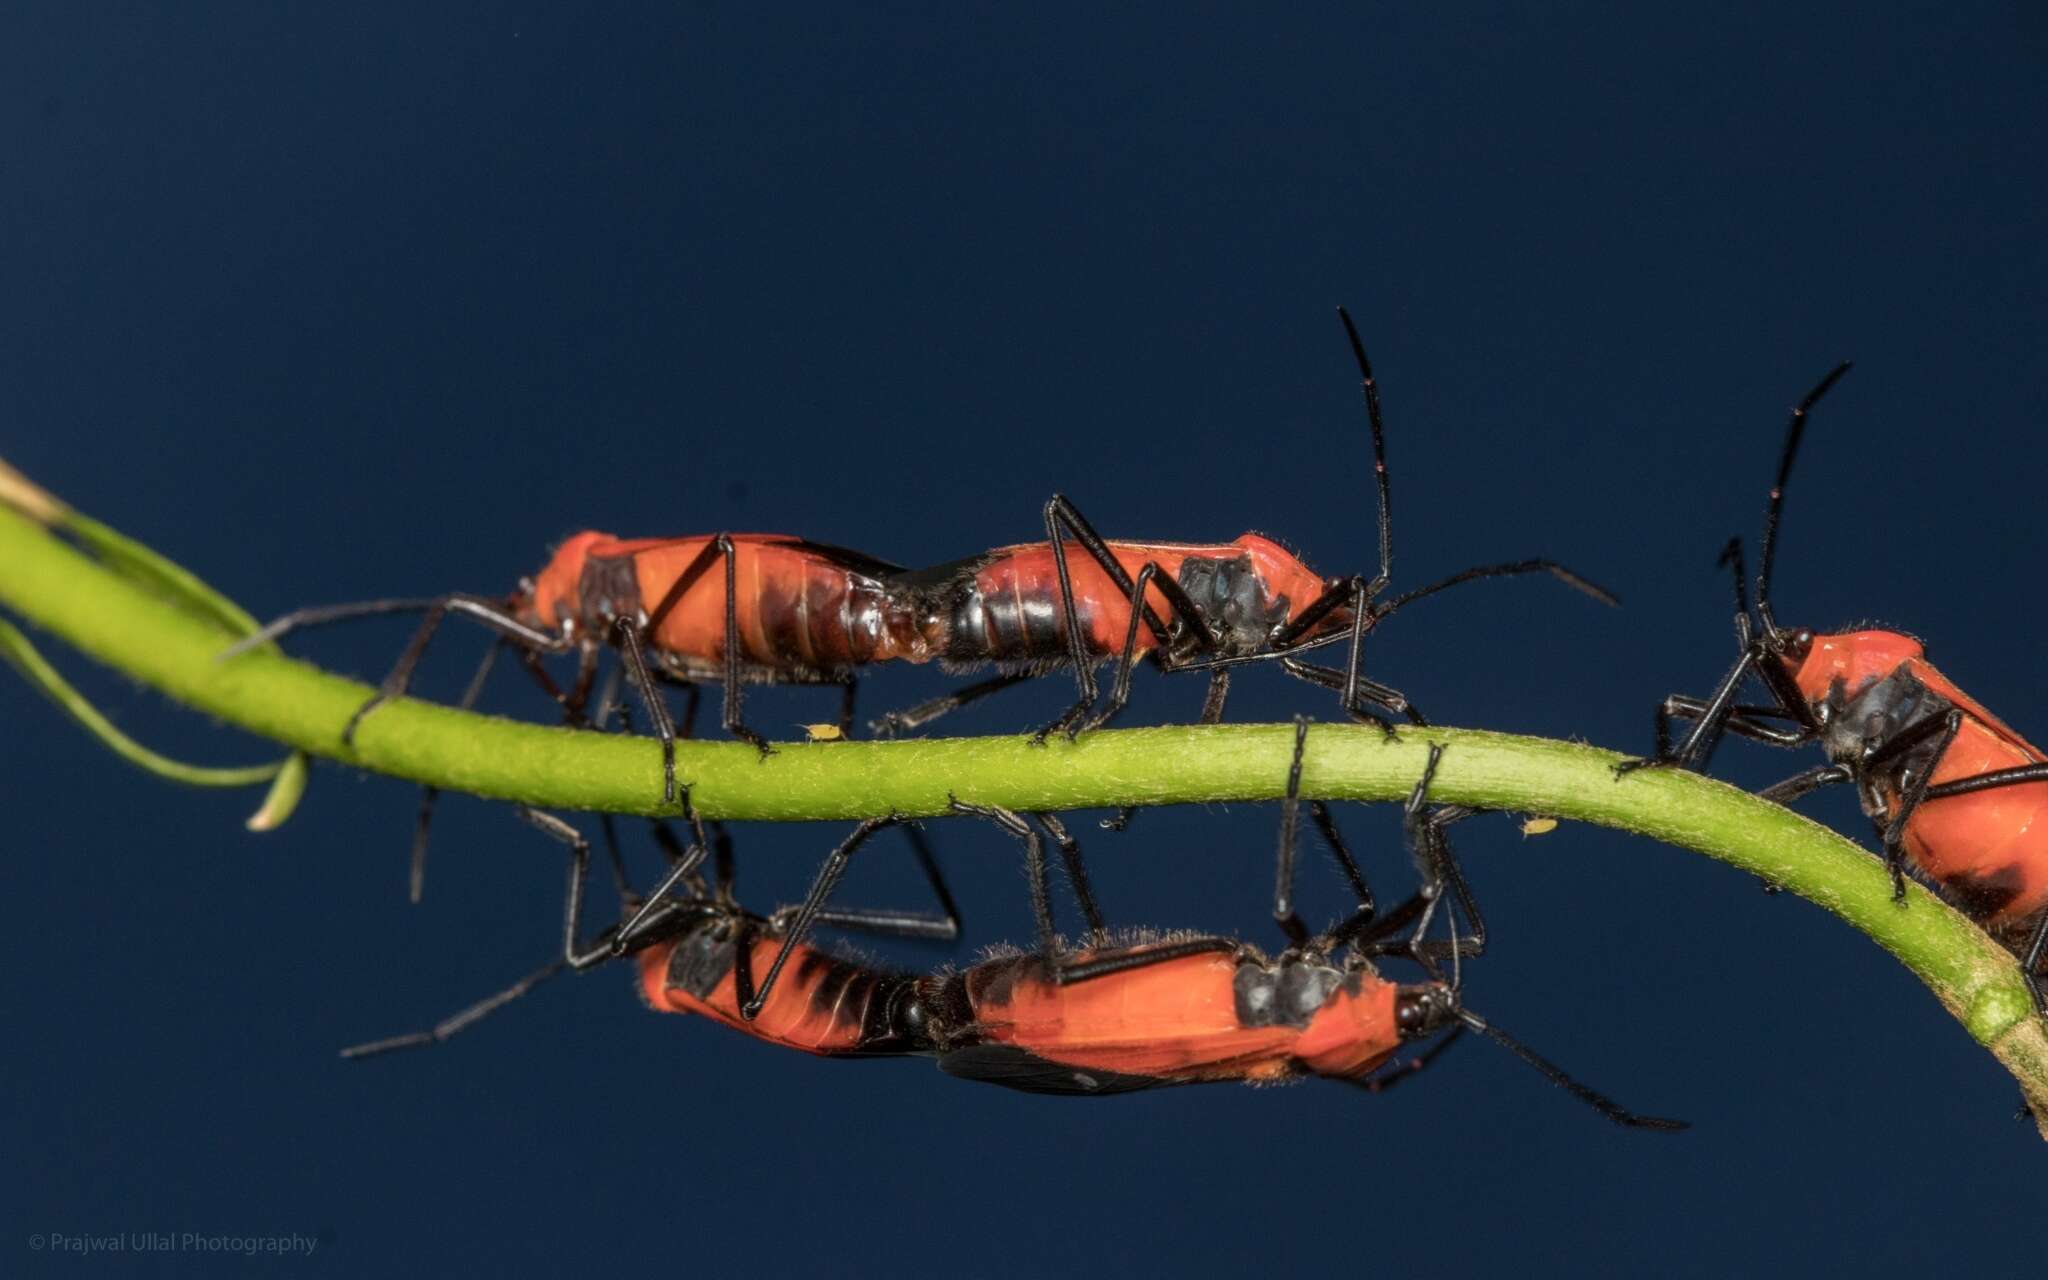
1799	643
1420	1011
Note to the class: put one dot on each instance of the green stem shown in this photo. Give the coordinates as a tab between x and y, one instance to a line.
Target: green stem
117	620
22	656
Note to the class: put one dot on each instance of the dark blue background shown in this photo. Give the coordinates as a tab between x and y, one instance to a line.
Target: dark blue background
386	298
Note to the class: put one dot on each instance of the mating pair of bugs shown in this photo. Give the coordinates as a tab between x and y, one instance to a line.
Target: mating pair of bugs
1952	789
1112	1016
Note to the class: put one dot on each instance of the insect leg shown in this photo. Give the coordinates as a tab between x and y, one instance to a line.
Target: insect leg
1360	603
1034	865
1744	720
1371	935
734	725
1077	875
416	877
925	712
1077	645
1312	613
828	878
400	677
1061	515
2013	777
693	694
1944	734
1806	782
1290	816
846	696
495	614
630	653
1431	849
1699	744
719	546
905	924
1212	713
2030	964
683	862
1125	961
490	613
573	956
1120	688
1368	691
1326	826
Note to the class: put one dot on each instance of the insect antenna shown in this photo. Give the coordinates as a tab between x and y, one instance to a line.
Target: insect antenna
1379	449
1731	558
1793	431
466	1018
1600	1102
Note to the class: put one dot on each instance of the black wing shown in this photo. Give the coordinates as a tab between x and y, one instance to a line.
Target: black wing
847	558
1015	1068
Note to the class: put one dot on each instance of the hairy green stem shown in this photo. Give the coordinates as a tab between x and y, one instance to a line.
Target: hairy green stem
118	619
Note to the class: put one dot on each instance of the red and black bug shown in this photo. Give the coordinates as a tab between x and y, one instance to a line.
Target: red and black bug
1425	825
715	947
1200	1011
1109	1019
760	608
1182	606
782	610
1947	784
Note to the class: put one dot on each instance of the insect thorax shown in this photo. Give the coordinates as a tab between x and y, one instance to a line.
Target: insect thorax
1233	602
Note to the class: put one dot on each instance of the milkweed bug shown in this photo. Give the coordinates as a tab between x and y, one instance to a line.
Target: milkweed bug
1206	1010
1425	825
1946	784
771	608
783	610
1182	606
708	937
1111	1019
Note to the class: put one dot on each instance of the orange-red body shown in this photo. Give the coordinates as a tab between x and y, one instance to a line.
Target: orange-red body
803	608
1205	1017
822	1004
1210	1016
1988	848
1012	612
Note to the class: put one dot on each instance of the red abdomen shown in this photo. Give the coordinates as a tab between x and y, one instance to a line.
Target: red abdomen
820	1004
1988	848
1012	612
1173	1021
1204	1017
1008	610
800	607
